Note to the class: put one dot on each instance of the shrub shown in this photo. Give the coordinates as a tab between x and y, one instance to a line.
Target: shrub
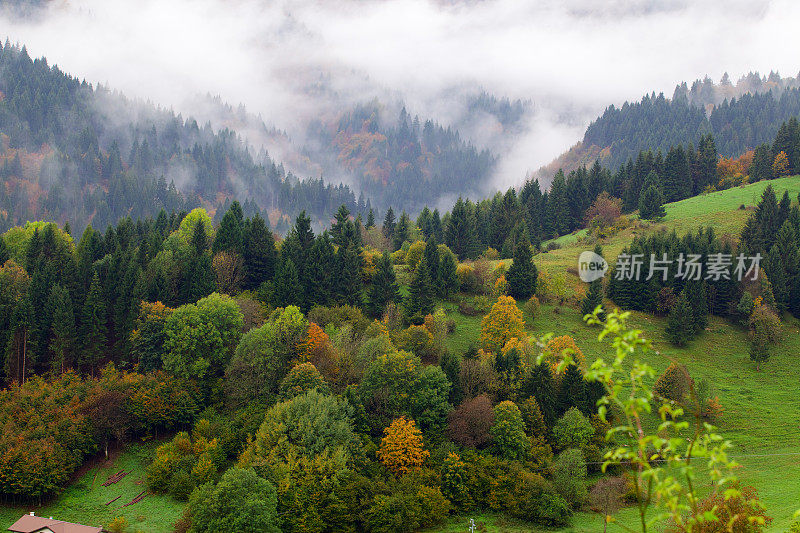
532	306
739	513
407	509
674	384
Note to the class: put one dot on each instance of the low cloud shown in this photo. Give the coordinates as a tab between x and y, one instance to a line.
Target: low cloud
291	61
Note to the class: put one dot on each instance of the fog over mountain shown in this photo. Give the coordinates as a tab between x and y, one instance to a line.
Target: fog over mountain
291	62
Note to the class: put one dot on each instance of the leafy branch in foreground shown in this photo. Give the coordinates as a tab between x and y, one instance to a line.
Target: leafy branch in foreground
663	460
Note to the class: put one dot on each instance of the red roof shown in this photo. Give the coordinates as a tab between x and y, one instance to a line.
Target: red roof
36	524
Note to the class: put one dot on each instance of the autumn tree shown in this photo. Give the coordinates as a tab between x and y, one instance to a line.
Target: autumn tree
401	449
504	322
780	165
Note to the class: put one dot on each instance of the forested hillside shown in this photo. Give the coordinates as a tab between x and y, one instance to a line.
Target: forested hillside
740	117
77	153
403	161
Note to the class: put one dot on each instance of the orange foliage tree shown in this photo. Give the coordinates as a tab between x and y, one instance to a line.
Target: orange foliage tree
780	167
401	448
503	323
558	347
318	350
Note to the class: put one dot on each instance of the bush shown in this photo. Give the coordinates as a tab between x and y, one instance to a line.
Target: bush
407	509
301	379
532	306
674	384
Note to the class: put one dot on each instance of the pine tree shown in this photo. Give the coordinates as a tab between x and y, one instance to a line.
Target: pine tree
761	167
370	219
420	300
383	288
677	177
200	280
230	236
460	231
522	274
260	255
343	231
680	322
94	329
322	271
651	204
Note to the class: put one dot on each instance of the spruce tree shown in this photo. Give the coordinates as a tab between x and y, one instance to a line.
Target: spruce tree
449	274
370	219
420	301
389	224
460	231
62	334
286	288
348	284
539	384
260	255
680	322
572	392
94	329
773	266
383	288
230	235
343	231
522	274
697	296
322	271
651	204
402	232
431	254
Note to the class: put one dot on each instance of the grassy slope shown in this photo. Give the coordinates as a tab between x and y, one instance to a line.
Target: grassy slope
762	415
84	500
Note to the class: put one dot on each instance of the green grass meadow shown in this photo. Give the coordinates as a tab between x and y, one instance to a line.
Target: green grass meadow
84	501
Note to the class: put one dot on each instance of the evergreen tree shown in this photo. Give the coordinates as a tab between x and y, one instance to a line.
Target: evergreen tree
260	255
431	254
651	204
773	266
230	235
322	270
348	285
594	295
449	275
94	328
383	288
370	219
200	279
677	177
761	166
286	288
62	334
680	322
420	300
572	392
343	231
389	224
199	238
522	274
697	296
402	232
460	232
540	384
4	256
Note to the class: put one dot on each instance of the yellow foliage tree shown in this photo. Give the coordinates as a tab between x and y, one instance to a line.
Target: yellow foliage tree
780	167
503	323
401	448
558	347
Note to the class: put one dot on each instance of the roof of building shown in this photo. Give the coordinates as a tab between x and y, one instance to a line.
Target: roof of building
30	523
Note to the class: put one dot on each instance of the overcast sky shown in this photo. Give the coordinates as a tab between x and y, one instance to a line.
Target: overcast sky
567	57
